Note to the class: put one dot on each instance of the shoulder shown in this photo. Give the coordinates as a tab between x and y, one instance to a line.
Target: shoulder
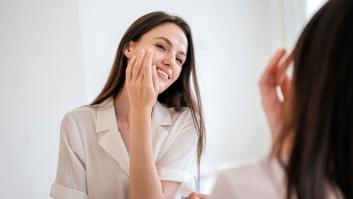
257	169
263	178
75	120
80	110
83	119
241	176
78	115
87	113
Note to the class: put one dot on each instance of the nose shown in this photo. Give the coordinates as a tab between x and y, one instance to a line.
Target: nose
169	59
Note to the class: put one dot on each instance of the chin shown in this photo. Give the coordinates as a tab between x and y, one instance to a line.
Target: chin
162	87
161	90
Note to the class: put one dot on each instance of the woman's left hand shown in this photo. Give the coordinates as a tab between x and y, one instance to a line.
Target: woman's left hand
142	81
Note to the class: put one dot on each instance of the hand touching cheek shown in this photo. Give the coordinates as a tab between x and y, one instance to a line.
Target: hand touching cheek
142	81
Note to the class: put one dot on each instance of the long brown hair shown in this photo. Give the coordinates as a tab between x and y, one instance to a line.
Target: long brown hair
180	93
321	119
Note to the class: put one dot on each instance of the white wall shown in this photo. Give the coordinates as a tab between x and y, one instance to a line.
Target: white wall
57	55
41	77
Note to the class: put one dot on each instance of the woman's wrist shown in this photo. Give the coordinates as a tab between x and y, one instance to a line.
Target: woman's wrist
141	111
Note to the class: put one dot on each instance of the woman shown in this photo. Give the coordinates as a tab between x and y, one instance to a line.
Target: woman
313	127
312	156
128	144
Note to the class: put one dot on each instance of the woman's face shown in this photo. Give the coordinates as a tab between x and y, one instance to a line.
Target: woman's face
169	45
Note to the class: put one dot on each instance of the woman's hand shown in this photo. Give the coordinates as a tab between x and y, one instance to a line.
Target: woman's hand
197	196
142	81
142	90
272	78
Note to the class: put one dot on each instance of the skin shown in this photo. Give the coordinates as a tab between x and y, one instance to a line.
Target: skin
275	109
162	48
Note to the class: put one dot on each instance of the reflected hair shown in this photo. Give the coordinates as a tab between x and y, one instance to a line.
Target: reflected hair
321	119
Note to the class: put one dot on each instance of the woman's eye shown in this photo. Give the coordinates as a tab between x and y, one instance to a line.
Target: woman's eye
160	46
180	61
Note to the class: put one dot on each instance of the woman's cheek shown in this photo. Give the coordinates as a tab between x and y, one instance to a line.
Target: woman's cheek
177	72
157	55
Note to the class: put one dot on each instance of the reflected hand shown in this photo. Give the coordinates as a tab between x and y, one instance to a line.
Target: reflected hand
273	77
197	196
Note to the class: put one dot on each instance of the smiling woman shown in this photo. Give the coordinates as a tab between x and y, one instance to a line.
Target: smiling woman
143	136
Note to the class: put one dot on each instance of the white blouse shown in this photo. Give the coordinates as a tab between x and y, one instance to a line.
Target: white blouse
263	179
93	160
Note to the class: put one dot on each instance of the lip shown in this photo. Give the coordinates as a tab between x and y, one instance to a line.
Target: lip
165	71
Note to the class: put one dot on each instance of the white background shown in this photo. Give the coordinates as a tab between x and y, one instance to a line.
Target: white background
56	55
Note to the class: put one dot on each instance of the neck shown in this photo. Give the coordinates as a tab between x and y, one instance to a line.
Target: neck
122	106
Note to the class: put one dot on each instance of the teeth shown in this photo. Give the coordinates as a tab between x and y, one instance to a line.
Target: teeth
162	73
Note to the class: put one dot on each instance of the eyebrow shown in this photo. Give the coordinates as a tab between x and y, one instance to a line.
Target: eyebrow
170	43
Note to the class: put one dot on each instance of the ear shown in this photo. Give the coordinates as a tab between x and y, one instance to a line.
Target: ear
129	49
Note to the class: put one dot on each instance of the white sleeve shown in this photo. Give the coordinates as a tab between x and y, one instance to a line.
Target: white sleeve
70	180
178	162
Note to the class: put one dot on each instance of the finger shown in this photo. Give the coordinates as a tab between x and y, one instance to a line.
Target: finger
284	65
282	68
148	62
147	66
269	83
277	57
128	68
137	66
286	87
275	60
268	77
155	79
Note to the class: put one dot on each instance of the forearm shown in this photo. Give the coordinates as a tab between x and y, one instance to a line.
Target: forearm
144	179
